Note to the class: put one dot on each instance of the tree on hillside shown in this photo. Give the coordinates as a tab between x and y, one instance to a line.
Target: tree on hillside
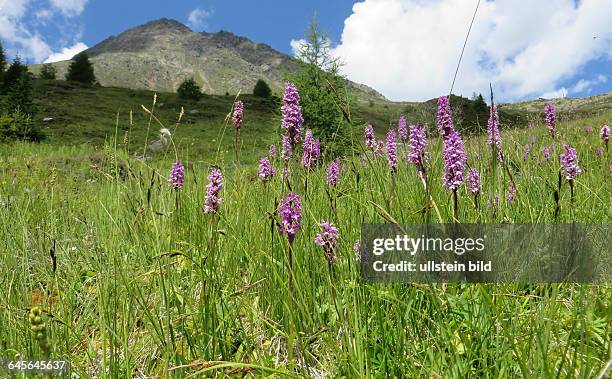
2	65
48	71
262	89
15	71
190	90
321	86
20	95
81	70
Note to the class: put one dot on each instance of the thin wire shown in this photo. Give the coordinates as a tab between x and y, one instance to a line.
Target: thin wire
463	49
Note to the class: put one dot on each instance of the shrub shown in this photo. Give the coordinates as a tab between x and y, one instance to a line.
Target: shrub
190	90
81	70
262	89
19	126
48	71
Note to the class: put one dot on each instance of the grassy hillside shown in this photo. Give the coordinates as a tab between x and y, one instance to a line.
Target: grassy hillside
93	115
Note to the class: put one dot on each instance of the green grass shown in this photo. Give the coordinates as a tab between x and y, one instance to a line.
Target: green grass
148	285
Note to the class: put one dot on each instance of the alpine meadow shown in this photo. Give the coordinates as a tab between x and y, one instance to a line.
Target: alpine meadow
190	205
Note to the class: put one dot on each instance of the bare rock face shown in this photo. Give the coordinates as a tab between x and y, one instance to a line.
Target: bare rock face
161	54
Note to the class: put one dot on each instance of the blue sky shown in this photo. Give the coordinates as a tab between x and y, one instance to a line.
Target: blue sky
406	49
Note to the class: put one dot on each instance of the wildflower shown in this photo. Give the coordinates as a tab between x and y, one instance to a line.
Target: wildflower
588	129
292	114
473	181
549	117
265	171
213	189
333	173
370	139
290	213
177	176
454	161
328	240
272	151
357	249
237	115
494	204
494	136
312	150
546	152
605	134
445	121
392	151
569	163
402	130
599	152
511	193
286	148
526	152
418	142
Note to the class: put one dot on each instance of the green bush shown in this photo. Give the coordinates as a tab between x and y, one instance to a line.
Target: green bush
48	72
190	90
19	126
81	70
262	89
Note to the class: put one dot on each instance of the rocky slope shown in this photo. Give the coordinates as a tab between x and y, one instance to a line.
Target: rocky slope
161	54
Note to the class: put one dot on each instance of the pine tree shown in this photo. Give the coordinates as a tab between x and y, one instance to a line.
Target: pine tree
48	72
14	73
321	89
20	95
262	89
2	66
189	89
81	70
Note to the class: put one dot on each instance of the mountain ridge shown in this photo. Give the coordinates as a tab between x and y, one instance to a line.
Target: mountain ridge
162	53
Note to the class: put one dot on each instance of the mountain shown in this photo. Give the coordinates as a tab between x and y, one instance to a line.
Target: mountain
160	54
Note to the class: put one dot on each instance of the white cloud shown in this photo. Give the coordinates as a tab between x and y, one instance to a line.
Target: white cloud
584	85
408	49
43	15
66	53
556	94
296	46
69	8
13	8
197	18
24	39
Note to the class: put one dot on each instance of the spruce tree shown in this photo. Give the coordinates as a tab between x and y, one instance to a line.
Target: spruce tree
20	95
2	66
14	73
81	70
262	89
48	71
190	90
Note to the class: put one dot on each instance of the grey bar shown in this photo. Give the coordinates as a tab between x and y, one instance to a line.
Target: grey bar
486	253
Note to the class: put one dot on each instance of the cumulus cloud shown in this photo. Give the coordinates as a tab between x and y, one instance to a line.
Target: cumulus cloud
66	53
408	49
197	18
69	7
556	94
296	46
585	85
22	37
